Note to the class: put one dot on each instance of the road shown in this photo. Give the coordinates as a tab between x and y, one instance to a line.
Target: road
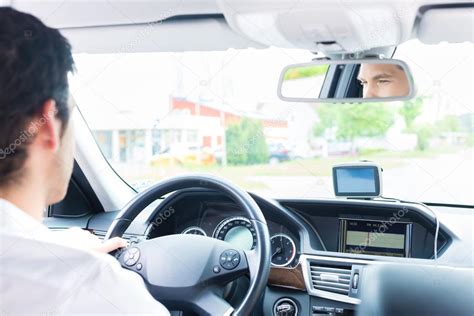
447	178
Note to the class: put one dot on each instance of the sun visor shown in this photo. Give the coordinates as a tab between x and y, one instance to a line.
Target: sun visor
453	25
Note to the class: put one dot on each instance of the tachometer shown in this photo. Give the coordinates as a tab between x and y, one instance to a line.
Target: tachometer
194	230
283	250
238	231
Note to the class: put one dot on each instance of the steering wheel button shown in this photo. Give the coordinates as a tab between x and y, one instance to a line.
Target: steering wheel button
229	259
131	256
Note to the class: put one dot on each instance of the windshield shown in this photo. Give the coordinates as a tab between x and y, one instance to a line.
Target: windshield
156	115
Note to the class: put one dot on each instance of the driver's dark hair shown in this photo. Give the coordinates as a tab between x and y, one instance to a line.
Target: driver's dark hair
35	61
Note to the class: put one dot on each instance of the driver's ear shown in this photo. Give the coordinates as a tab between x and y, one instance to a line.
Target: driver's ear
47	126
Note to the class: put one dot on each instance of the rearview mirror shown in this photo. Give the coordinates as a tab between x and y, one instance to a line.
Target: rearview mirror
337	81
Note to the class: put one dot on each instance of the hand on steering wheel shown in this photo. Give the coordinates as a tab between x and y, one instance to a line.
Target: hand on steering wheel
189	271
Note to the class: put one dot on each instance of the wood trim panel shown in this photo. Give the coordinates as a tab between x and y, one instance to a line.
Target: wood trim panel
287	277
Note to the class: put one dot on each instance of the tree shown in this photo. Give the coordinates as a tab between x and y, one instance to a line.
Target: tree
245	143
354	120
423	134
234	145
410	110
327	119
306	72
366	119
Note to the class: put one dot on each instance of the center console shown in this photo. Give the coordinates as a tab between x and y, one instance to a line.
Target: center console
375	237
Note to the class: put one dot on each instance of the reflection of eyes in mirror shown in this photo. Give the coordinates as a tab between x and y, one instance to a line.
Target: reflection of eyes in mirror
383	80
355	81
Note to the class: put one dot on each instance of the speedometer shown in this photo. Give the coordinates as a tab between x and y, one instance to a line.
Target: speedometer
237	231
194	230
283	250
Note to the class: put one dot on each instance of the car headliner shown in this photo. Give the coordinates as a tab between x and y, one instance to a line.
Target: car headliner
174	25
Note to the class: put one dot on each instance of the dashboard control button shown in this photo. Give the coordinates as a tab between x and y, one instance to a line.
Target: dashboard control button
339	310
139	266
131	256
323	309
355	281
229	259
285	307
216	269
318	308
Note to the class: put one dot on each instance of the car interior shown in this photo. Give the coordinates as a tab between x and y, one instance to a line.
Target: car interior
214	235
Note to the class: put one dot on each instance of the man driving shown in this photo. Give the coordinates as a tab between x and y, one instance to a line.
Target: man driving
383	81
41	271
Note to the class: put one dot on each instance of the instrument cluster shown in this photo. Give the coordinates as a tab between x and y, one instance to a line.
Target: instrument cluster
239	231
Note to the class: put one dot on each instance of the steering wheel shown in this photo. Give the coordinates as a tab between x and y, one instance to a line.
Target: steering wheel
190	271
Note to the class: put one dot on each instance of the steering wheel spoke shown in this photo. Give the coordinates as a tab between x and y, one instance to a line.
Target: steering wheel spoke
252	263
211	303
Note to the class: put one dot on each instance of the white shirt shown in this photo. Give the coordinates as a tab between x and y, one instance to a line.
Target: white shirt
41	276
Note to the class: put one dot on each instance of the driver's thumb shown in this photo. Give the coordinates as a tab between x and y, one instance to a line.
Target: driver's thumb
111	245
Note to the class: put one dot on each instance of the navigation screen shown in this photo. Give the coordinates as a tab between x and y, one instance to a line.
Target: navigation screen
374	237
356	180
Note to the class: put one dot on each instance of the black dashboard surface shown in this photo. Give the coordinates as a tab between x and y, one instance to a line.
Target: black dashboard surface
314	225
325	218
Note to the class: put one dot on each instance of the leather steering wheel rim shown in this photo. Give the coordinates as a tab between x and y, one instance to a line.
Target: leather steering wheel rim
258	259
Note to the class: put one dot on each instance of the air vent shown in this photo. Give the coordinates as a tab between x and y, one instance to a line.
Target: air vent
330	278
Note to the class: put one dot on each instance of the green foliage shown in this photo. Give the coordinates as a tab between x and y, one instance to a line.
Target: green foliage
355	120
470	141
423	134
410	110
370	151
366	119
449	123
245	143
234	145
327	114
305	72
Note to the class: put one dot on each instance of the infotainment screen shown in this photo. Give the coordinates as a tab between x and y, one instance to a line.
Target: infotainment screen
375	237
361	179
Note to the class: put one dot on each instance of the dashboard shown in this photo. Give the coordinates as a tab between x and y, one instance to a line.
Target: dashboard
361	228
216	216
320	248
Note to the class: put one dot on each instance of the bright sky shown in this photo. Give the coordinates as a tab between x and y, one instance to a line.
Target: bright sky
239	79
134	89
